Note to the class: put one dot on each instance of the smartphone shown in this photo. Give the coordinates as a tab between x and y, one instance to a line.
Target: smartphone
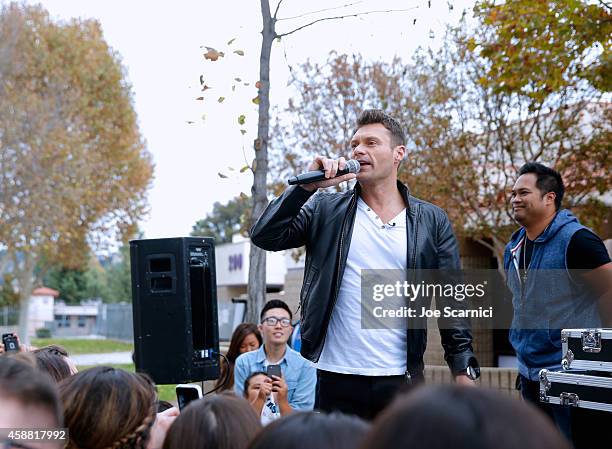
274	370
10	342
185	393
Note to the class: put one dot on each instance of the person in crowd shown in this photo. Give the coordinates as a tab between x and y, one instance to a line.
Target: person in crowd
311	429
375	225
445	416
258	391
246	337
106	407
54	360
294	389
222	421
28	399
542	261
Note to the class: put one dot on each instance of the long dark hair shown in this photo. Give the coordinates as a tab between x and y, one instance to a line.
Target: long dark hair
310	429
51	359
107	407
240	333
223	421
439	417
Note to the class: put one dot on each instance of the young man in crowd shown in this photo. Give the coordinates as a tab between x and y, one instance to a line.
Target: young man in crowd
548	292
377	225
29	401
294	389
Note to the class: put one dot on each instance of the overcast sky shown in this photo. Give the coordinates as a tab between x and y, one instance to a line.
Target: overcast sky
160	44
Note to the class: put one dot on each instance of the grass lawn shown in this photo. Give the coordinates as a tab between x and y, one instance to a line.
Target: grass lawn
165	392
80	346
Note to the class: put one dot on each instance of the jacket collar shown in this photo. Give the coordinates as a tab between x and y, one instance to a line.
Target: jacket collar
403	189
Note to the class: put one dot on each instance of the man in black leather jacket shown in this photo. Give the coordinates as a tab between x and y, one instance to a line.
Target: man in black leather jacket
378	224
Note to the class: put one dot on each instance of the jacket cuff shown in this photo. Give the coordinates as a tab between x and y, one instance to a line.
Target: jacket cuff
458	363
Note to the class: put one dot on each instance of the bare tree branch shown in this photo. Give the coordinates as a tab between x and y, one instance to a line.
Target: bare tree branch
345	16
276	10
607	5
320	10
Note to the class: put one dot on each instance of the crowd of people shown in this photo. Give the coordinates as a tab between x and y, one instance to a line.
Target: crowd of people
104	407
350	386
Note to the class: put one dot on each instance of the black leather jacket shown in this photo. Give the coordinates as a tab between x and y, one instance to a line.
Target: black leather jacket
324	223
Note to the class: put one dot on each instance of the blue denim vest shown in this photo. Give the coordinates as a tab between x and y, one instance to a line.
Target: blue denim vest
550	298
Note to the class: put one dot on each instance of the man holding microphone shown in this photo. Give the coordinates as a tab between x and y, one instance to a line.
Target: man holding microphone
376	225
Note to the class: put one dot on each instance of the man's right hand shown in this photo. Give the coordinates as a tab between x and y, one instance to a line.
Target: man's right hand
331	167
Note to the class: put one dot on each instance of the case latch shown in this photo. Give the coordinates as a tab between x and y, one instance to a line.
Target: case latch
570	399
567	360
591	341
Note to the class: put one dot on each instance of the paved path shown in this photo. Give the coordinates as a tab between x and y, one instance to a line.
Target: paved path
103	359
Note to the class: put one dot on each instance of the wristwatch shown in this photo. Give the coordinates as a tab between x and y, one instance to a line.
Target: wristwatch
471	372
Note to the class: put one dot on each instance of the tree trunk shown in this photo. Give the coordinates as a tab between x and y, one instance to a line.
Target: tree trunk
256	288
25	280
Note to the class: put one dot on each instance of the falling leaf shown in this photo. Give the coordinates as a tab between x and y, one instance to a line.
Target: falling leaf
239	52
258	84
221	175
255	100
203	117
189	122
243	131
220	100
237	79
243	169
247	84
200	98
205	87
231	41
213	54
241	119
414	22
231	168
201	79
233	88
429	3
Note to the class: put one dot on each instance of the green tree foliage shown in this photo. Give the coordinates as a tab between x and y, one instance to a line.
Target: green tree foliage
8	295
539	47
72	161
224	221
71	283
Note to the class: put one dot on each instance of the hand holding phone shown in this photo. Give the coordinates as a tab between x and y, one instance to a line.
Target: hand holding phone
10	342
274	370
185	393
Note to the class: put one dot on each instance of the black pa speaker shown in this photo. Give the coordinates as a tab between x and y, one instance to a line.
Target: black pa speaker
174	297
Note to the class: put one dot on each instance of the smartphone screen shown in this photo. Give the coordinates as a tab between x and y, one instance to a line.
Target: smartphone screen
274	370
185	394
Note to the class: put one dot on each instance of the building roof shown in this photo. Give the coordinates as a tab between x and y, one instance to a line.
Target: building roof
45	291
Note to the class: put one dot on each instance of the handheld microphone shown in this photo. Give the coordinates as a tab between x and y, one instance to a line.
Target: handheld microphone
352	166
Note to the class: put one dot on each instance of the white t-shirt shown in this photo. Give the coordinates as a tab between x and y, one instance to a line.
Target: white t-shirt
348	348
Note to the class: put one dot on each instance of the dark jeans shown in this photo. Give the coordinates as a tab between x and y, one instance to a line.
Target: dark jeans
364	396
560	415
